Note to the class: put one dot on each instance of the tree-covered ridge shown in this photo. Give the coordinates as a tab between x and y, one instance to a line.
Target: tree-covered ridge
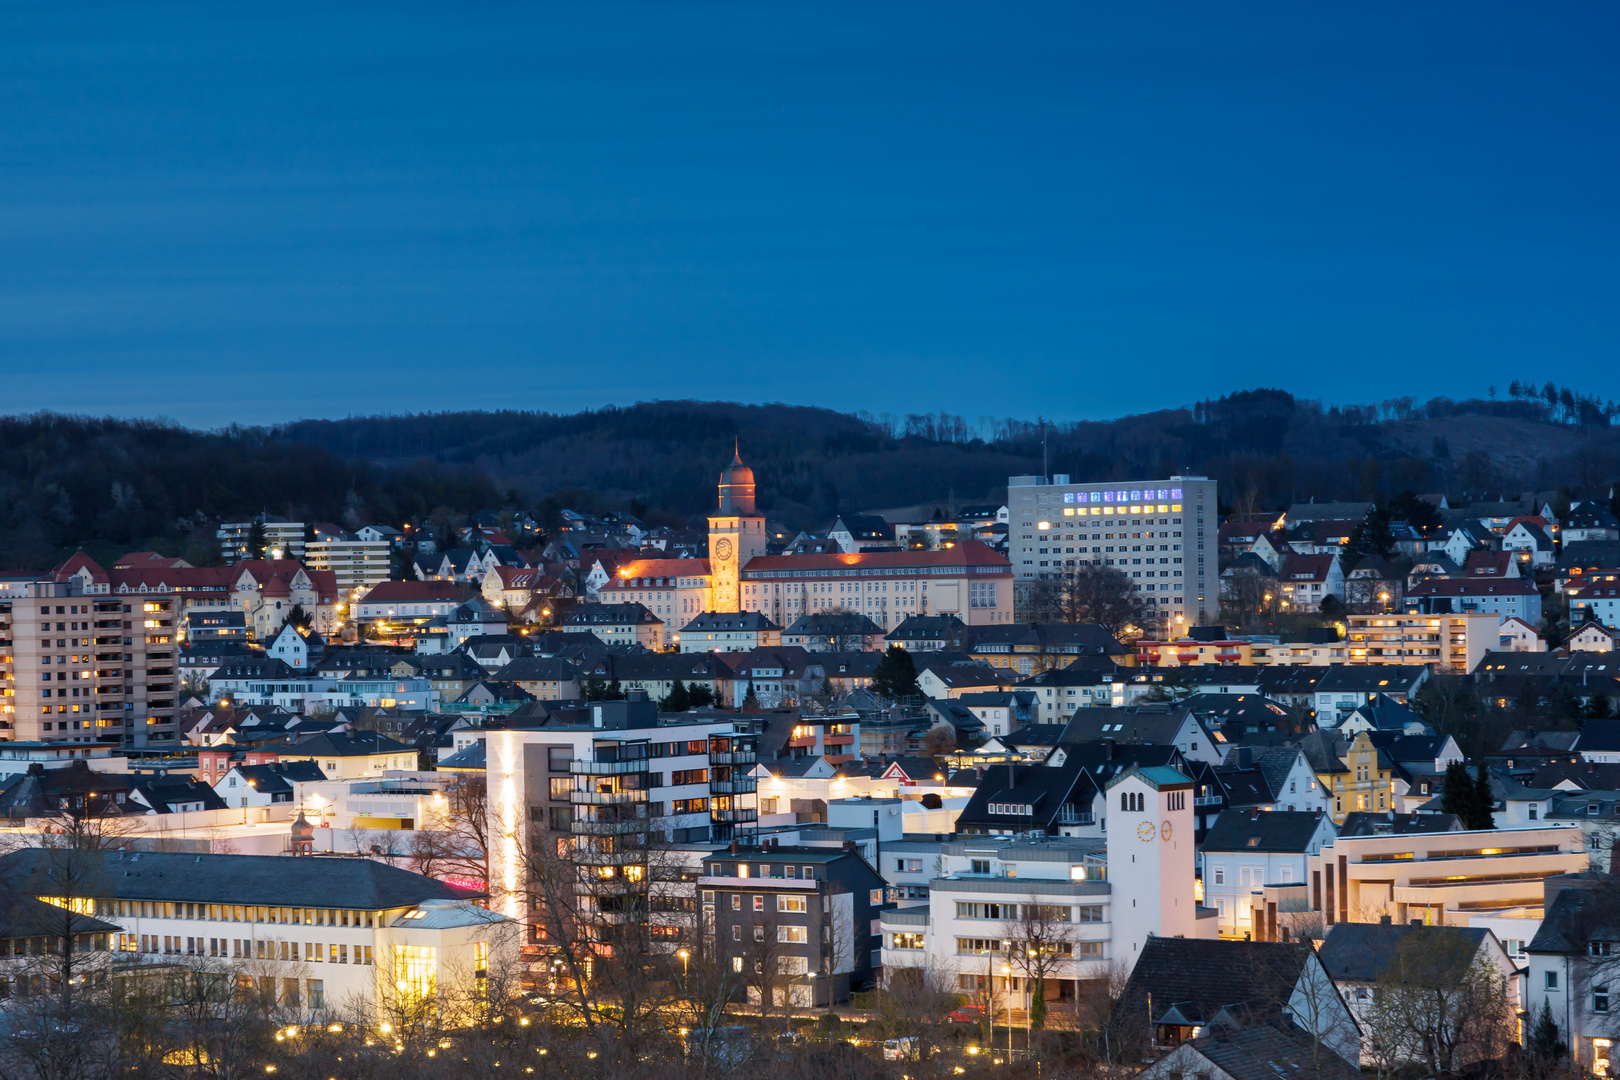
115	484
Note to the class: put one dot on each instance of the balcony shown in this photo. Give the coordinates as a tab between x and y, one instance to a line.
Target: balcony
1206	800
733	787
607	798
733	757
607	768
610	828
744	814
633	857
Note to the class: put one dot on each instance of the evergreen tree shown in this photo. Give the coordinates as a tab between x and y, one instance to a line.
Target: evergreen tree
678	700
1458	795
1484	804
896	674
256	543
614	691
750	701
699	697
1546	1042
594	689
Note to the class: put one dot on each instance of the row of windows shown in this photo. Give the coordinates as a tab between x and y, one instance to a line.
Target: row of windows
318	952
967	909
149	909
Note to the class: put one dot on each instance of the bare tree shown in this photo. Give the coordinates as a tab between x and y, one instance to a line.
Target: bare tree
1439	1002
1041	943
1100	595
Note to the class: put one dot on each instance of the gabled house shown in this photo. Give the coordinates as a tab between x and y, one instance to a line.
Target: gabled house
1246	849
1519	636
1527	541
1192	982
834	631
1303	581
1018	799
1588	521
861	532
1357	956
929	633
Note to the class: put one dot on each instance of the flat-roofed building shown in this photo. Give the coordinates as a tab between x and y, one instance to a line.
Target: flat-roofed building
1057	528
1441	878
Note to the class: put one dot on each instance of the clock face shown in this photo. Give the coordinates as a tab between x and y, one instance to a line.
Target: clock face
1164	830
1145	831
722	549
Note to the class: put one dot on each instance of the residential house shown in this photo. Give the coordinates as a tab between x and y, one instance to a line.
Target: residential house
1193	984
1519	636
835	631
804	918
741	631
1529	544
1303	581
1247	849
861	532
929	633
1512	598
626	623
1358	957
1587	521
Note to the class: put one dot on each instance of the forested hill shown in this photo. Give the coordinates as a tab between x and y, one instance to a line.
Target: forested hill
114	484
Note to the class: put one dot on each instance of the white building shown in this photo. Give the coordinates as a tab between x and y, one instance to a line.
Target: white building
358	564
1108	900
1247	849
323	933
1059	527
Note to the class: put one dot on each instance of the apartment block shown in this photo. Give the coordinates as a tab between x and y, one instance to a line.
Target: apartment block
88	668
600	790
1454	642
1057	528
283	539
357	564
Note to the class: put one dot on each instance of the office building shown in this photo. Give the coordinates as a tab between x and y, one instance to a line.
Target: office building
1161	534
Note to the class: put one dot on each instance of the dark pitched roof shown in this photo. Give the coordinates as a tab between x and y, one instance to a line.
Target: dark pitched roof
1244	787
1270	1052
1042	788
1359	952
1577	915
1599	735
1199	977
279	776
1134	723
338	744
1258	830
230	879
1389	823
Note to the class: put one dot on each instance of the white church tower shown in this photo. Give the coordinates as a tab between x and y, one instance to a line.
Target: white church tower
1150	860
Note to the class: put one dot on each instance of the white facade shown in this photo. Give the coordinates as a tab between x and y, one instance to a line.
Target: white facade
1059	527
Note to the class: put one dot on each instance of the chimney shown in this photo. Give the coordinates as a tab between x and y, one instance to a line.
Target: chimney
1108	749
734	847
1384	920
1245	758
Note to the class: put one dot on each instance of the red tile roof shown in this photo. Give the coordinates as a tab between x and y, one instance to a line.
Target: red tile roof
657	568
414	592
967	553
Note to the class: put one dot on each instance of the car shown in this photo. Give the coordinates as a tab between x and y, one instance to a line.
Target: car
968	1014
900	1050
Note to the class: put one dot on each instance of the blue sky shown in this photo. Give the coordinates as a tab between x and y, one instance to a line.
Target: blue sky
1076	210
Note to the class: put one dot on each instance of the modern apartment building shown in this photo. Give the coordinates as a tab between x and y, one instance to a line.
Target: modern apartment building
1453	642
283	539
598	791
1161	534
87	668
357	564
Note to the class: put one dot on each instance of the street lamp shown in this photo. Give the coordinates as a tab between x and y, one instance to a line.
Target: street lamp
1006	974
685	965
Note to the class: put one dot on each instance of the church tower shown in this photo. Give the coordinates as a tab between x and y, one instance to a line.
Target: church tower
736	534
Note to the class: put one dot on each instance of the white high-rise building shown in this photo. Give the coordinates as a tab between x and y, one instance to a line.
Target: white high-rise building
1162	534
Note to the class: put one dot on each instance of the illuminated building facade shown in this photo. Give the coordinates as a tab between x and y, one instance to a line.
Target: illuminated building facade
1161	534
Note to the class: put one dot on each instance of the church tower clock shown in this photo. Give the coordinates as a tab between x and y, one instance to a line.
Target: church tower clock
736	534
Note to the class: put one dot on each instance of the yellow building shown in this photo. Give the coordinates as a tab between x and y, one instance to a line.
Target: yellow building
1366	781
1456	642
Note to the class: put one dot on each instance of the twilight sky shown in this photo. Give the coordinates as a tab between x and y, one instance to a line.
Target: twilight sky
223	212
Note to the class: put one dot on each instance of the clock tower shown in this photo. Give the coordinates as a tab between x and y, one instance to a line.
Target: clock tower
736	534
